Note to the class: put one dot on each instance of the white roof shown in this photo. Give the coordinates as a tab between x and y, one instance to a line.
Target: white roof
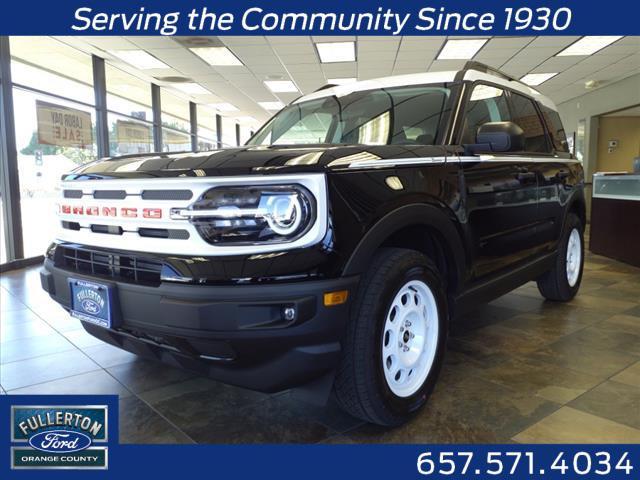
423	79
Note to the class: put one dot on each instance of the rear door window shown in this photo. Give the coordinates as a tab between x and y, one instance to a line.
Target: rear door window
526	117
486	104
554	125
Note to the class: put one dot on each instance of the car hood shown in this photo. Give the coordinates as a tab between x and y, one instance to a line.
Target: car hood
248	160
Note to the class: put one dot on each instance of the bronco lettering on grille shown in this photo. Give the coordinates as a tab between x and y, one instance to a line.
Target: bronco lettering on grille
124	212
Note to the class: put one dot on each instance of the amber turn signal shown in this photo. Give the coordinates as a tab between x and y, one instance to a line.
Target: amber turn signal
335	298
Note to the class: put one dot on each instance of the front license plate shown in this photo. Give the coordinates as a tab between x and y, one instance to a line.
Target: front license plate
91	302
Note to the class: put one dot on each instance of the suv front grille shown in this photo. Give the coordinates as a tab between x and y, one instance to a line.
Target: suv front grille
123	268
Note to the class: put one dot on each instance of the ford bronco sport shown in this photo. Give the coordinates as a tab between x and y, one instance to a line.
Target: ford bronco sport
333	249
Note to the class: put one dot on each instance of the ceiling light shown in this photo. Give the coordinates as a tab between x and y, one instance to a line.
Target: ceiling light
461	49
271	105
341	81
587	46
191	88
246	119
533	79
217	56
280	86
139	59
337	52
224	107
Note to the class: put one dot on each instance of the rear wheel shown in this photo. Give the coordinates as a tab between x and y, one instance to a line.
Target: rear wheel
395	341
562	282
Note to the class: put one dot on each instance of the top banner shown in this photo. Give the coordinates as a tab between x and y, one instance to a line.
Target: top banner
328	17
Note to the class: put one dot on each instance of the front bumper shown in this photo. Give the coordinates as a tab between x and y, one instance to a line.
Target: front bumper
236	334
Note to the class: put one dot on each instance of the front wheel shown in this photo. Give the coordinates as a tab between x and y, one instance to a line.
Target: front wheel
395	341
562	282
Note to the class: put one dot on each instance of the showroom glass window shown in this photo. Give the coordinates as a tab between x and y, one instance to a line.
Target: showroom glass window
130	116
207	136
526	117
55	128
245	134
3	241
229	132
486	104
176	127
397	116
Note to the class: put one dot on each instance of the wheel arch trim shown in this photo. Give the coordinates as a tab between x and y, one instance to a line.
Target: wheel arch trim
407	216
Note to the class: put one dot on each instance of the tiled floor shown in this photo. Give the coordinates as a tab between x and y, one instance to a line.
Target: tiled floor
519	369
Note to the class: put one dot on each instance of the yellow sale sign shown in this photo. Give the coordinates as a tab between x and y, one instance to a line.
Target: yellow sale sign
63	126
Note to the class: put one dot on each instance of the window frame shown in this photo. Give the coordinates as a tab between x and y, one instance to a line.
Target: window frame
458	128
557	153
467	100
536	107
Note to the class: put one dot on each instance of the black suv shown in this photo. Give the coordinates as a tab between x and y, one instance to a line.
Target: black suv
333	249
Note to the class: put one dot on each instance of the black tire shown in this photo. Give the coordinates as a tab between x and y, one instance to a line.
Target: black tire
360	386
554	285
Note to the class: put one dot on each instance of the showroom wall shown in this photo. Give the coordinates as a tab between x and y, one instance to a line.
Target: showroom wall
581	116
625	131
587	107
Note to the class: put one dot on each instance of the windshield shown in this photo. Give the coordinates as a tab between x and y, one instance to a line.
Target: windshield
388	116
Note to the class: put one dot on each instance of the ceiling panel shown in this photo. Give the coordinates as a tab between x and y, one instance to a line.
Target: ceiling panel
295	58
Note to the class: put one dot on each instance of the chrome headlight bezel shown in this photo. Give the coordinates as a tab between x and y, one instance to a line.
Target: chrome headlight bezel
252	214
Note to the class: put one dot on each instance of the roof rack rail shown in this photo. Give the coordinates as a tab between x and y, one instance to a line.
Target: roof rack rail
324	87
481	67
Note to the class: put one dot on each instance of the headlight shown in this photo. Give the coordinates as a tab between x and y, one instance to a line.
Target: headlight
250	215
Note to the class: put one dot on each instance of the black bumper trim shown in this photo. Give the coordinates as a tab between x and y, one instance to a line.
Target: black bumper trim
235	334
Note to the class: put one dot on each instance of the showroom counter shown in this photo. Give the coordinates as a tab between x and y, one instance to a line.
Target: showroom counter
615	217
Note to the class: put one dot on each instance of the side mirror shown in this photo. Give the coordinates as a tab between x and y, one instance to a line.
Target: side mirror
500	137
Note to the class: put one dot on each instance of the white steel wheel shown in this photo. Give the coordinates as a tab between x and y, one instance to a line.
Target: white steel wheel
574	257
410	338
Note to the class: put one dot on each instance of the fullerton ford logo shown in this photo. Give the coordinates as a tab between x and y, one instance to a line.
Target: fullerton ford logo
60	441
90	301
53	436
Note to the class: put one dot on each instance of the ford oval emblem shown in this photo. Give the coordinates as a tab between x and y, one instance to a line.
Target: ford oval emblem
60	441
90	306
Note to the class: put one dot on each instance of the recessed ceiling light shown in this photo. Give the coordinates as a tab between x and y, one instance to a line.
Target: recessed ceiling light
534	79
337	52
224	107
217	56
587	46
461	49
280	86
271	105
139	59
341	81
191	88
246	119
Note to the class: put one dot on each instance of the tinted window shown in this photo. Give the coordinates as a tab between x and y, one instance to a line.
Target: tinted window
558	135
486	104
398	116
526	116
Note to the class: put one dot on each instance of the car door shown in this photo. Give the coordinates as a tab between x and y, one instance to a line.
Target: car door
556	178
500	192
